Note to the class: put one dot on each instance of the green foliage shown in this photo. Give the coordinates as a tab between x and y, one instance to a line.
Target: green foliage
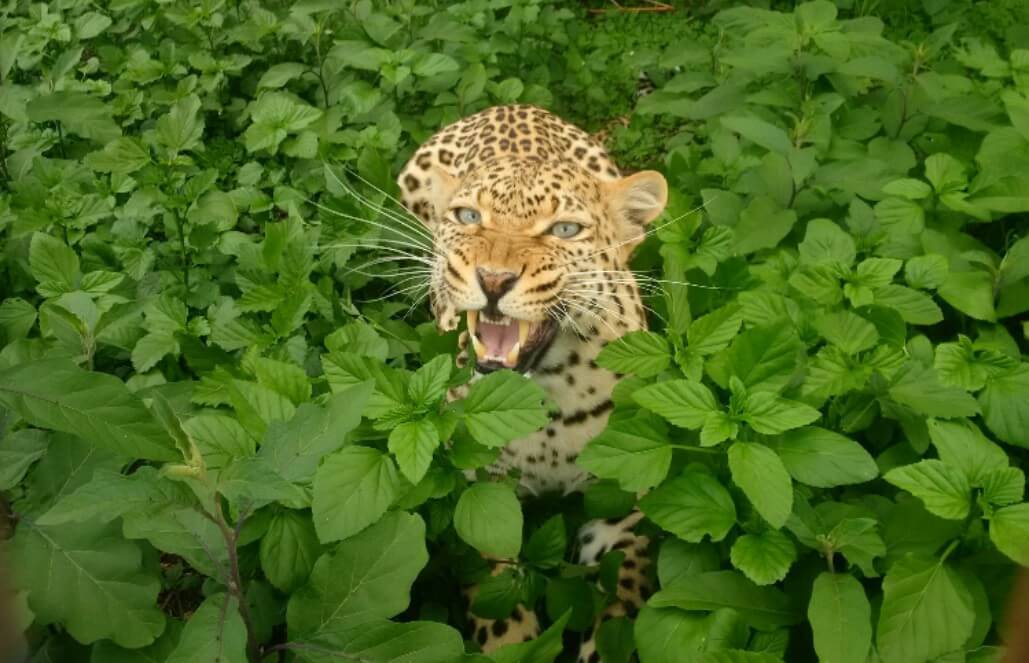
225	430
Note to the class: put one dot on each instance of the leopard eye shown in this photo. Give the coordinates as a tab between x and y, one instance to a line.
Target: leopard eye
565	229
468	216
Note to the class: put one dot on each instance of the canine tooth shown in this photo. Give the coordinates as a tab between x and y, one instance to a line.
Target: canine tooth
523	331
480	349
512	356
473	320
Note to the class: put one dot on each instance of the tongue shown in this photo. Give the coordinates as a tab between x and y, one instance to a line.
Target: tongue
498	339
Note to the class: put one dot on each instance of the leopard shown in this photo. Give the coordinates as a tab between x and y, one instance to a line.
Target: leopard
533	227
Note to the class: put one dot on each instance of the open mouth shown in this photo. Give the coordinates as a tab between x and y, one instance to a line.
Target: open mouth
506	342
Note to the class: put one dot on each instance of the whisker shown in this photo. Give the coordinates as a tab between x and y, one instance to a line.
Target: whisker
403	217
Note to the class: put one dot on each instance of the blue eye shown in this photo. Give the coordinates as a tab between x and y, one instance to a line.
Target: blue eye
565	229
468	216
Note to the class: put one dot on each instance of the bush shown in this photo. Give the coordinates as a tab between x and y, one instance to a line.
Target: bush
225	434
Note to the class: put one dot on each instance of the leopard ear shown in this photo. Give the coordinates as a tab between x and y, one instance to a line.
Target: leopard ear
426	189
637	200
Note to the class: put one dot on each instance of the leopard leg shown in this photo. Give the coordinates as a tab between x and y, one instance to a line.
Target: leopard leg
597	538
520	626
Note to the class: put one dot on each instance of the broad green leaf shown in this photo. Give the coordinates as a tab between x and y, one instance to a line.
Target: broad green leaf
1005	404
182	531
841	619
110	494
17	317
822	458
382	641
504	406
279	74
289	549
1003	486
1009	530
294	448
826	243
215	632
765	558
761	476
182	128
917	308
57	394
764	358
635	452
683	402
18	451
89	579
488	517
943	488
574	596
761	607
497	595
926	272
353	487
665	635
971	293
926	611
920	388
640	353
770	414
543	649
546	546
78	113
691	507
757	131
762	225
614	640
712	332
367	577
960	444
53	265
847	331
413	444
962	365
121	156
429	382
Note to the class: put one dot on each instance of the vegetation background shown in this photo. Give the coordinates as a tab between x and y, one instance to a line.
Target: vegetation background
223	435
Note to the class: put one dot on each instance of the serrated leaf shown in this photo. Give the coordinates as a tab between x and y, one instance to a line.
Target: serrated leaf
971	293
765	558
960	444
764	358
841	619
926	272
712	332
289	549
926	611
57	394
503	406
640	353
1003	486
770	414
691	507
1005	404
762	607
352	489
215	632
825	243
488	517
761	476
824	459
634	452
413	444
847	331
429	382
53	265
1009	530
917	308
683	402
18	451
546	546
942	487
382	641
920	388
110	494
89	579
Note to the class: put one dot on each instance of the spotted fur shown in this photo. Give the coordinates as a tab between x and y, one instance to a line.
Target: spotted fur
523	169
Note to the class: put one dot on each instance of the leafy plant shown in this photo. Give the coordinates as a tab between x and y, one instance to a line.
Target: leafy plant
224	424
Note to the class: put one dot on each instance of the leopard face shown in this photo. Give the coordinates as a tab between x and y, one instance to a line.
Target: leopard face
530	243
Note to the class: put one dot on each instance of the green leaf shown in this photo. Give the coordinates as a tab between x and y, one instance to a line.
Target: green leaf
181	531
761	476
289	549
215	632
841	618
635	452
543	649
847	331
57	394
53	265
614	640
78	113
971	293
429	383
367	577
1009	531
762	133
121	156
825	243
917	308
926	611
18	451
279	74
712	332
546	546
691	507
942	487
665	635
683	402
110	494
764	358
926	272
89	579
824	459
1005	404
919	388
761	607
960	444
488	517
762	225
770	414
181	129
1003	486
413	444
504	406
352	489
640	353
382	641
764	558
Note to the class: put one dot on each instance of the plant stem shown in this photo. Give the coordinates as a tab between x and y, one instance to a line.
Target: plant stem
235	584
699	450
183	254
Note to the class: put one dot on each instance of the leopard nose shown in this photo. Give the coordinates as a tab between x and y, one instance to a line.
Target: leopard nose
495	284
